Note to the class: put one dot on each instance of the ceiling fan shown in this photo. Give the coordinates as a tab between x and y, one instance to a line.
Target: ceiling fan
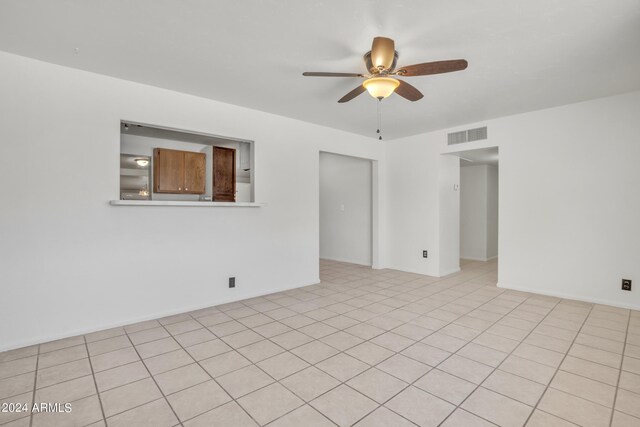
381	66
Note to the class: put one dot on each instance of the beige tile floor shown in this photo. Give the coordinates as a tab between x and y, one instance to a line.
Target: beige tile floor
365	347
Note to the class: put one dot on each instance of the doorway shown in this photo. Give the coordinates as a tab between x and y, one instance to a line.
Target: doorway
479	195
346	209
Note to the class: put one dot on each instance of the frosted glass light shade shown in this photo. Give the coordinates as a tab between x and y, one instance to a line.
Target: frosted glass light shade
381	87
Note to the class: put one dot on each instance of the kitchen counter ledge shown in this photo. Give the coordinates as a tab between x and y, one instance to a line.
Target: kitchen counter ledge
186	203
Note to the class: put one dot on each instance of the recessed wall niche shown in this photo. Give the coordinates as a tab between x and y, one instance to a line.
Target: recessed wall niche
164	164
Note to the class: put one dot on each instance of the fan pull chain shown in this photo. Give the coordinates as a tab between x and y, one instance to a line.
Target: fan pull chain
379	131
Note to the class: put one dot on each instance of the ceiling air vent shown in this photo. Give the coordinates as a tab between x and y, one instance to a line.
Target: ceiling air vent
457	137
469	135
477	134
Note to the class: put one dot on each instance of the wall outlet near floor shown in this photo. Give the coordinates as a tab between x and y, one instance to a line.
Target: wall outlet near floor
425	254
626	284
232	282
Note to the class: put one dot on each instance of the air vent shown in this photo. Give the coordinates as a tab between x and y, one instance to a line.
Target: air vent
457	137
477	134
469	135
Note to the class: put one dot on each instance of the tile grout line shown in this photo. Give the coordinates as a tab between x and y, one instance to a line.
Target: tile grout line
275	320
477	386
314	365
394	352
259	312
93	376
366	282
256	365
624	349
340	382
35	383
154	380
266	373
222	338
410	384
233	399
136	406
558	368
485	330
400	307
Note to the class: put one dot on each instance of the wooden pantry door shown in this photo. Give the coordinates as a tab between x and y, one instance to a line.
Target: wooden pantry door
224	174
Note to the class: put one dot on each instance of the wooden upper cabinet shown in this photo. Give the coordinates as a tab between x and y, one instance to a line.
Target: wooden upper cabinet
224	174
168	170
178	172
194	172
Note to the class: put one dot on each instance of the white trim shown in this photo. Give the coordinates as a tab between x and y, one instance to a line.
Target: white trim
430	274
446	273
76	332
346	260
472	258
569	296
412	270
469	258
185	203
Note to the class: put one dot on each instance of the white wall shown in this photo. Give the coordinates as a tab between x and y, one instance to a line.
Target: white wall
345	209
473	212
569	198
493	213
71	263
479	212
449	214
412	208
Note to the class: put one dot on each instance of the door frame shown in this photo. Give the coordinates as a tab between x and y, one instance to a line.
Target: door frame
375	206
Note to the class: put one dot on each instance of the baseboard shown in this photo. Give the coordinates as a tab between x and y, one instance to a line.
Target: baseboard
569	296
81	331
447	272
468	258
348	261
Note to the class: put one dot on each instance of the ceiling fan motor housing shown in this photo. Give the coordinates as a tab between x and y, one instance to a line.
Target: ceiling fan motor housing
373	69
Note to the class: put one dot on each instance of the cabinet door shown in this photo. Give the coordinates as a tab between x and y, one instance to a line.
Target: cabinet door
168	170
224	174
194	172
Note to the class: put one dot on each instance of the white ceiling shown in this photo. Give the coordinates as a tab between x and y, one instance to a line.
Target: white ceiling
523	55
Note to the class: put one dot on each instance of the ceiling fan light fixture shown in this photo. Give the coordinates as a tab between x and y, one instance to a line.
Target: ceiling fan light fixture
381	87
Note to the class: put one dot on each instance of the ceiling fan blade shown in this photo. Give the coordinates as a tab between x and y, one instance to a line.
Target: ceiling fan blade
348	97
382	52
409	92
321	74
437	67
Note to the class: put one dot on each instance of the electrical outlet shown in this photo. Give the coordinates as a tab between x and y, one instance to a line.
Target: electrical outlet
232	282
425	254
626	284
